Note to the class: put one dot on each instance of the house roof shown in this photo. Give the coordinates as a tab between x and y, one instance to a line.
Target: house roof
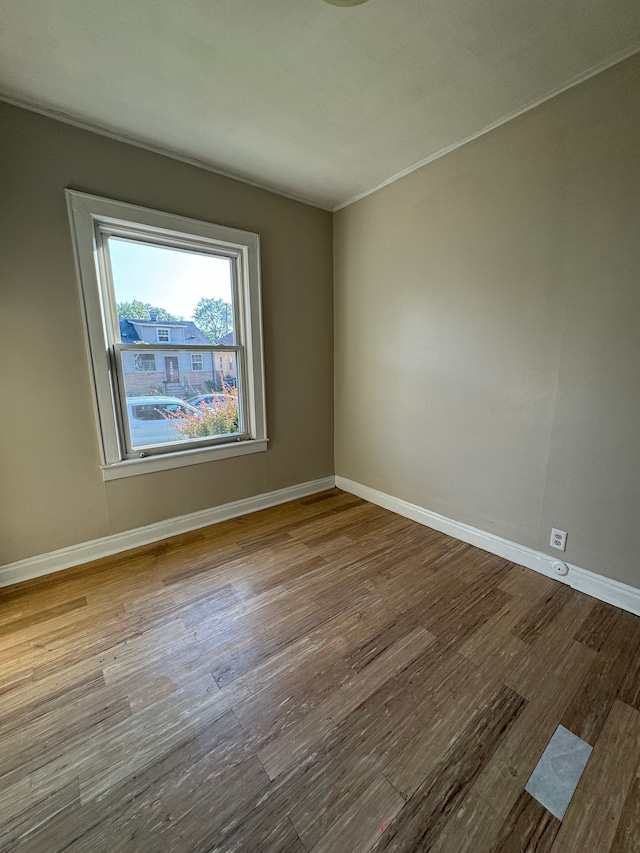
130	330
226	340
128	333
192	334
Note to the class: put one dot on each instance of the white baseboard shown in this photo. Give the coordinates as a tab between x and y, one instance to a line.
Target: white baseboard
85	552
613	592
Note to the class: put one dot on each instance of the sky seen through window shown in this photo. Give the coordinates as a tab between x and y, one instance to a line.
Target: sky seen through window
167	278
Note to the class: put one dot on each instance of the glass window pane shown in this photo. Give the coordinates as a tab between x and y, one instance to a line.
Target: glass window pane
175	401
175	296
150	412
145	361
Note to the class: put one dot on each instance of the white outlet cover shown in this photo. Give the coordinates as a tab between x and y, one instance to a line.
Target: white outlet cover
558	539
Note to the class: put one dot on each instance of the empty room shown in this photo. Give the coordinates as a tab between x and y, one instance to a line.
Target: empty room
320	457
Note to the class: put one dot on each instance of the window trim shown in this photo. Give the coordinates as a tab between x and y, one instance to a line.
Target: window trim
92	217
163	329
199	355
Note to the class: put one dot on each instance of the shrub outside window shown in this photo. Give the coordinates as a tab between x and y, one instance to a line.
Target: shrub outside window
168	298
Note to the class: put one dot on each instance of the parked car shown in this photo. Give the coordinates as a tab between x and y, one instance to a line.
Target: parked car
209	400
149	422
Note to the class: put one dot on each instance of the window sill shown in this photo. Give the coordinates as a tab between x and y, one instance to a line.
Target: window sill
166	461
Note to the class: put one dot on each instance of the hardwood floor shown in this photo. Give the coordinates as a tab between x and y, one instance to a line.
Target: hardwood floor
322	676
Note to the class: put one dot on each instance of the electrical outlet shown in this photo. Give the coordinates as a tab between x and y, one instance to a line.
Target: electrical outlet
558	539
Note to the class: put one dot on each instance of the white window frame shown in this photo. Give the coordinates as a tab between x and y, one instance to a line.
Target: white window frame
161	340
92	220
197	355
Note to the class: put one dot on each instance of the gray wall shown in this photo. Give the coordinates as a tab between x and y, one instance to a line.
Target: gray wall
487	325
51	490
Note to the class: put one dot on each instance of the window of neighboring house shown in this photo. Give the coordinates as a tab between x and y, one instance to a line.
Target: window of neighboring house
136	264
145	361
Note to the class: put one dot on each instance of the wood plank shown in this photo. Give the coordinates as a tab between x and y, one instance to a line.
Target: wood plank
426	813
120	813
472	828
13	680
507	772
525	583
34	750
543	614
550	654
627	837
448	717
594	631
275	836
588	711
597	806
324	783
529	828
629	692
25	814
23	712
110	758
364	822
489	636
370	662
178	810
246	651
42	617
352	758
267	720
283	752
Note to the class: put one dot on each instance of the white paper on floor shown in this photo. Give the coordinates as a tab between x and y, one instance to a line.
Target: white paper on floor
556	775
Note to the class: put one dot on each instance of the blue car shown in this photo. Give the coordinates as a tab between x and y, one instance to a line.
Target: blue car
203	400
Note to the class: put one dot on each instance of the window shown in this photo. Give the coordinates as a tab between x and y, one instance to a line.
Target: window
149	412
144	361
145	275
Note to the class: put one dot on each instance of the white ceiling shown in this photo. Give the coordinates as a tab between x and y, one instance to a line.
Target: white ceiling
320	102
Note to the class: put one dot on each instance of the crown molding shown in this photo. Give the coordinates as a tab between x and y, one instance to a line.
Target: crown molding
119	136
627	53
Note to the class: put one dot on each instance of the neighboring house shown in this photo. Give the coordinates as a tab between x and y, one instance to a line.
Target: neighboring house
225	362
181	373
